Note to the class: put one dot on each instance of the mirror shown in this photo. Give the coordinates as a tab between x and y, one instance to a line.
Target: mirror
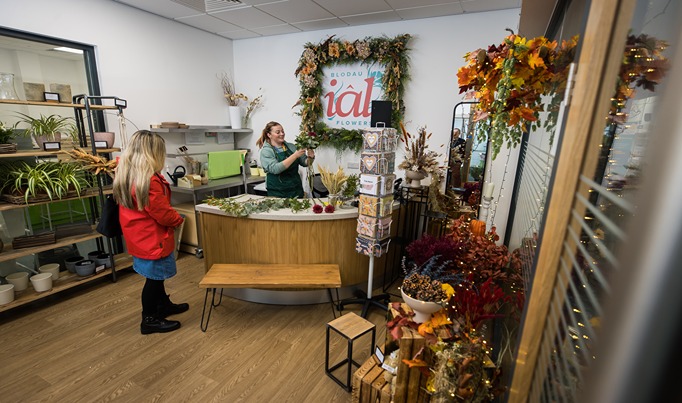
467	155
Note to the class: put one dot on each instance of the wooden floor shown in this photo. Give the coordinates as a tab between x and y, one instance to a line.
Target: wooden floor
85	346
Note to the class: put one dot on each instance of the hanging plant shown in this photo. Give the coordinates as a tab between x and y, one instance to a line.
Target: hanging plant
391	53
509	81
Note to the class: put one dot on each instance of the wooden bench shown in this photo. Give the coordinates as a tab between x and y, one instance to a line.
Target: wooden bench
267	276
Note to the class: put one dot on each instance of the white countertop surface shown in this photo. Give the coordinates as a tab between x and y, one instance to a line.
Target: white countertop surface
285	214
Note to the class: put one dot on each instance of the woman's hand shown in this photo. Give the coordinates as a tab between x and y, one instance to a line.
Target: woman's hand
298	153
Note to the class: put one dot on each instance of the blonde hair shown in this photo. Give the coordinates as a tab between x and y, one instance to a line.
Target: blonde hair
144	156
264	136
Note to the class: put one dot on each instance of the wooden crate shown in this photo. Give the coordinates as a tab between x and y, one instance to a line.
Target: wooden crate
410	382
369	383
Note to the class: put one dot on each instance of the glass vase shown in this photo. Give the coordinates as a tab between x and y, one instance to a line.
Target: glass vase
7	90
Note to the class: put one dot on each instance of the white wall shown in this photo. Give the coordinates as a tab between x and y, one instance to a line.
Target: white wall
166	71
438	47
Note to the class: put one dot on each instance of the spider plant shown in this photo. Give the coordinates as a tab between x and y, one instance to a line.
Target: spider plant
6	133
69	176
46	127
32	181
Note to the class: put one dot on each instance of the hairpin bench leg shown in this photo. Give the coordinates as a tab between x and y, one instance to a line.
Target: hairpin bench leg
204	326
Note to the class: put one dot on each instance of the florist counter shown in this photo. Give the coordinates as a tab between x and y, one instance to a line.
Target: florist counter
285	237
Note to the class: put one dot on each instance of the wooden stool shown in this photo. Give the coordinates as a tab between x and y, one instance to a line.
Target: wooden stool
350	326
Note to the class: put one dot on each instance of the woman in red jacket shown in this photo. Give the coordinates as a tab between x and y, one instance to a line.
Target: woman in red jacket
148	222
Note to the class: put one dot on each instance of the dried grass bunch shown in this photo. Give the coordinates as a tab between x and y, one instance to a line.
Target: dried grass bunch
334	182
417	157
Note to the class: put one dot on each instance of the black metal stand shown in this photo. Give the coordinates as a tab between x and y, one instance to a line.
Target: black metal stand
366	299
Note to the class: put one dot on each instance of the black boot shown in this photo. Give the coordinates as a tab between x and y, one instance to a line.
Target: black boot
167	308
154	324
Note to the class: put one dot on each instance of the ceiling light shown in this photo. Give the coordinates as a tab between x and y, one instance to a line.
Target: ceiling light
69	50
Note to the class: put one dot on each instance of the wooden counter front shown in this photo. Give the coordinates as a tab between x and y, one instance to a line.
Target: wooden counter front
230	239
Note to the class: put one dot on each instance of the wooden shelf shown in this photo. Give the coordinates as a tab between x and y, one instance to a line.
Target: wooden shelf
91	192
56	104
66	280
8	253
207	129
41	153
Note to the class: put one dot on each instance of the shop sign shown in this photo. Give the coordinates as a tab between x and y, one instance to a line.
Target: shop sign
347	94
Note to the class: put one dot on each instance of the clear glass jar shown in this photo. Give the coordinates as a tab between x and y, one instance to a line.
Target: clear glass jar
7	90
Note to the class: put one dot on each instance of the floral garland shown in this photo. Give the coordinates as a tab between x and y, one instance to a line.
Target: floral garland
509	80
390	52
643	66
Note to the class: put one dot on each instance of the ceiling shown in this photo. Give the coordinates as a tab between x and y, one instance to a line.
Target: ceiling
241	19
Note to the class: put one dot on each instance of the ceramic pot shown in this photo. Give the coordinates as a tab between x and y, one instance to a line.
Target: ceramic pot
235	117
52	268
104	259
41	282
85	267
109	137
6	293
70	263
19	279
93	255
414	178
422	309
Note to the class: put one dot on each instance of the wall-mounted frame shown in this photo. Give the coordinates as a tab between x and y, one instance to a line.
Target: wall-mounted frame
194	138
51	97
225	138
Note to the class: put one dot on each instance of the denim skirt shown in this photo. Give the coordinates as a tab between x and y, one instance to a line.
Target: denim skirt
159	269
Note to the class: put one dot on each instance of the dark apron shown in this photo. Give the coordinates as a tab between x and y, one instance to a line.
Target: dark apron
288	183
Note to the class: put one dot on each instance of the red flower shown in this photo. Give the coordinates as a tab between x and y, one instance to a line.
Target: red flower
312	134
329	208
317	208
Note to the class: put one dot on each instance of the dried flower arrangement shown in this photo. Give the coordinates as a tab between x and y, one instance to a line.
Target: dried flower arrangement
232	97
417	157
252	106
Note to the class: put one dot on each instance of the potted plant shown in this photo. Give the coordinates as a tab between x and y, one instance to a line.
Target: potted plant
46	128
31	181
6	137
418	162
233	99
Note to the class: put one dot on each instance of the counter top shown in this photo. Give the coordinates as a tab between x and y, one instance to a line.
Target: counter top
231	181
285	214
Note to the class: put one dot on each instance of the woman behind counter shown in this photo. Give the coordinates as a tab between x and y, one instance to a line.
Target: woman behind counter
280	160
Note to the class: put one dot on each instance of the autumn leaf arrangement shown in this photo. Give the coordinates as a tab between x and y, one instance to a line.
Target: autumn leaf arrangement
485	285
512	81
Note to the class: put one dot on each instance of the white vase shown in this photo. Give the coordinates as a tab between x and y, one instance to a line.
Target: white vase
422	309
235	117
414	178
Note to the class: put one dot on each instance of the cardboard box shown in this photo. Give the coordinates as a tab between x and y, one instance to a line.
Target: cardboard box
369	246
379	163
375	206
189	239
375	228
377	185
380	139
